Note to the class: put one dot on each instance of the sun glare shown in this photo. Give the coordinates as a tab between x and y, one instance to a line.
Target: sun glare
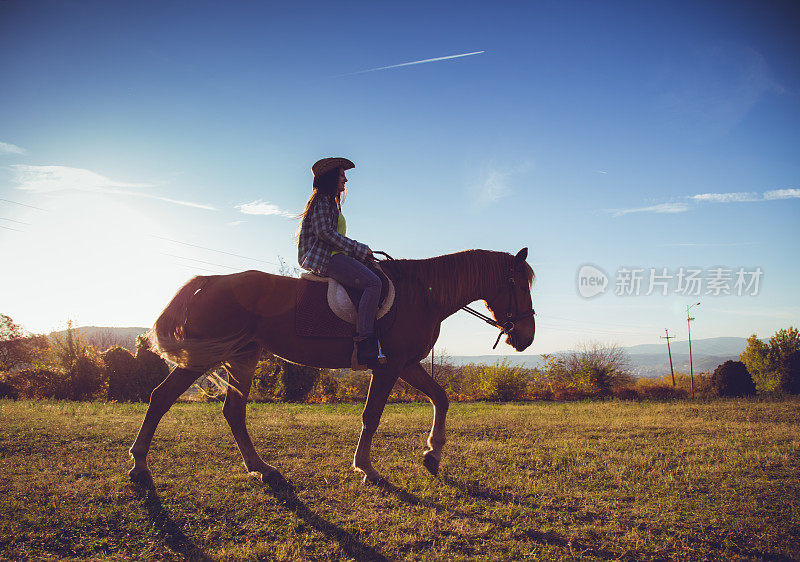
92	261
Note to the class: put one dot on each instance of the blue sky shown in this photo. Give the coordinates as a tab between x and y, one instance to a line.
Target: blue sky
143	143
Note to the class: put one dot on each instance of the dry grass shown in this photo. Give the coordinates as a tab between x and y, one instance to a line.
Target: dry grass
600	480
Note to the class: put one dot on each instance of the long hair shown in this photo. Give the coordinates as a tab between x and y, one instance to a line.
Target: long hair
324	185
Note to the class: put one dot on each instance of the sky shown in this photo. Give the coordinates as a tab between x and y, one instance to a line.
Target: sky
633	147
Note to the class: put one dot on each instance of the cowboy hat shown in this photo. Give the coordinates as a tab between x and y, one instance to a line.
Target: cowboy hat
328	164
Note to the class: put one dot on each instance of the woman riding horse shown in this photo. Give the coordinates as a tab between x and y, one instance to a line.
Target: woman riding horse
229	320
324	249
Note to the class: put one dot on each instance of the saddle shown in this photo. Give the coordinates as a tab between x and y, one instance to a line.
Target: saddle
325	308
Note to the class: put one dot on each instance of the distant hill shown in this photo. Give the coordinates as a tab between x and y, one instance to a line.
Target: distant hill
647	360
102	337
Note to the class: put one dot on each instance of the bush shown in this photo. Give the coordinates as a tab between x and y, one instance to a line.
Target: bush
663	392
276	379
732	379
8	391
133	378
593	368
38	383
504	382
151	370
790	373
625	393
571	394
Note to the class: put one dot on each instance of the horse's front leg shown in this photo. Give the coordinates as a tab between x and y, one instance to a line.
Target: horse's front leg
417	377
379	389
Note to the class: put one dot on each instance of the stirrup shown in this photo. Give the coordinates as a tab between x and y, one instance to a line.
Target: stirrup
367	350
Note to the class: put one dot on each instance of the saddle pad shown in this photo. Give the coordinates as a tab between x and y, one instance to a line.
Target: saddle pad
314	318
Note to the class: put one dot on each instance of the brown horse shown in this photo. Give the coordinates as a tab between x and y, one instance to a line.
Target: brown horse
229	319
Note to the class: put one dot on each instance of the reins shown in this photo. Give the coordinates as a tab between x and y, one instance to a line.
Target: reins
505	328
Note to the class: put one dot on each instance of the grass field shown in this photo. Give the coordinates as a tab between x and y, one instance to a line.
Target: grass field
590	480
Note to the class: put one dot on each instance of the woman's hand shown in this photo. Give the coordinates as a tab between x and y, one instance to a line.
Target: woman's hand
364	252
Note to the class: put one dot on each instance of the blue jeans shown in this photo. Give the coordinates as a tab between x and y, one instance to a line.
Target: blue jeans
352	273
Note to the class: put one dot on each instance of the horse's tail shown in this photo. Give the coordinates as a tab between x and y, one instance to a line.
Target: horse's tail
171	335
168	334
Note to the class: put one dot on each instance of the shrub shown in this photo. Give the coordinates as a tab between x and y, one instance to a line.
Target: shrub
276	379
502	381
151	370
120	368
625	393
133	378
8	391
325	391
732	379
571	394
790	373
38	383
663	392
593	368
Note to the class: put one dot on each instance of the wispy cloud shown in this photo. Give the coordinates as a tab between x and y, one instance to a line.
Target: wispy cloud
494	182
781	194
666	208
52	179
259	207
236	223
708	244
423	61
8	148
739	197
700	198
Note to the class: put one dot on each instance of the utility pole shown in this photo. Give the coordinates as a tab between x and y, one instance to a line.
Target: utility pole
689	325
671	370
431	362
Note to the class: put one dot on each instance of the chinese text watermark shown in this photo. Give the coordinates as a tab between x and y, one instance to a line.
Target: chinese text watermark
683	281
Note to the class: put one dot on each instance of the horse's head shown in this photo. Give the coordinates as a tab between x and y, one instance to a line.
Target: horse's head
512	307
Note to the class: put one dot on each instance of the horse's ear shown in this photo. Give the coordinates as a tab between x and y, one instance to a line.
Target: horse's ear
522	255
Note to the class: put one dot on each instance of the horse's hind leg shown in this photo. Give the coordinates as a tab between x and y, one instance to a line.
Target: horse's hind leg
240	377
417	377
161	399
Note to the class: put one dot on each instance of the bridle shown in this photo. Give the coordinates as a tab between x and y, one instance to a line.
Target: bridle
510	323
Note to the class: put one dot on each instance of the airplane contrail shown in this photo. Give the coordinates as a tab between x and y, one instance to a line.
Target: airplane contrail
411	63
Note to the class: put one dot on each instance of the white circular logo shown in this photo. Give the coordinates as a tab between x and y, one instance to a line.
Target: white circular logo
592	281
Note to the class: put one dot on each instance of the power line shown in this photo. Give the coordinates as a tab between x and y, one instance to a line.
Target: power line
12	220
23	204
213	250
201	261
195	268
9	228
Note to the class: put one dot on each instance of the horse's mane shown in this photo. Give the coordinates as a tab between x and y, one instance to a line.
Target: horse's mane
445	280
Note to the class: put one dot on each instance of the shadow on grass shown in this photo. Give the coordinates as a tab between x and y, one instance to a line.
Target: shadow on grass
411	499
552	538
478	490
166	526
284	492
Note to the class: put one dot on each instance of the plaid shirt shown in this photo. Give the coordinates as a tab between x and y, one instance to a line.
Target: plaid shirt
318	238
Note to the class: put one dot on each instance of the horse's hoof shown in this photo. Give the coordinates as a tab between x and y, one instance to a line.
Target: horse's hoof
431	463
141	476
373	479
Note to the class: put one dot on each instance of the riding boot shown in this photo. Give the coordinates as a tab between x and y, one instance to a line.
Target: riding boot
367	349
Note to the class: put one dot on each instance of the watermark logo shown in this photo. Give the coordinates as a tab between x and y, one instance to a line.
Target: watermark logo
592	281
684	281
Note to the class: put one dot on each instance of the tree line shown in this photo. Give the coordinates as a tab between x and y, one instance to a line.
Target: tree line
66	365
